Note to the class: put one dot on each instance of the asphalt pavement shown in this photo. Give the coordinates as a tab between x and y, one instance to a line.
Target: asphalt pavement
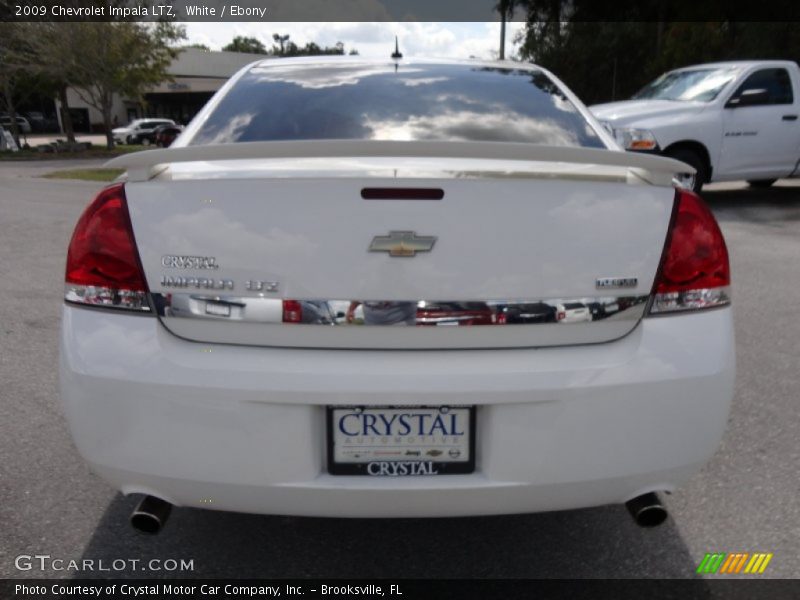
745	500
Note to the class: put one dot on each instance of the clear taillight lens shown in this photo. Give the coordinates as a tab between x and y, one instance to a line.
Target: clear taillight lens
103	267
694	271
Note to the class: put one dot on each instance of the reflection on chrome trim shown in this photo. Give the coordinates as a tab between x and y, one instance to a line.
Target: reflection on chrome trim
104	296
422	313
690	300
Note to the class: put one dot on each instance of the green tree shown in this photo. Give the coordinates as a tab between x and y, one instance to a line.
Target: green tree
603	61
249	45
286	47
21	71
314	49
690	43
281	40
52	51
14	75
122	58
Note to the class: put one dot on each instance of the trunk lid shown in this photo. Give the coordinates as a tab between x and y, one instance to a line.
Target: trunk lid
225	243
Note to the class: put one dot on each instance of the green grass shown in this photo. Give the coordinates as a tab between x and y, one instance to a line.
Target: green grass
86	174
94	152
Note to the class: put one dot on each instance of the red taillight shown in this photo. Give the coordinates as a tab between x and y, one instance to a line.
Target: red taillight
561	315
292	311
694	271
102	263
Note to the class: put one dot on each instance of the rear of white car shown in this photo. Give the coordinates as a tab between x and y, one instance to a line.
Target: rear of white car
204	361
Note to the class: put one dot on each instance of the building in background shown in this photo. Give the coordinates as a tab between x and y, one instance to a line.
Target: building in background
196	75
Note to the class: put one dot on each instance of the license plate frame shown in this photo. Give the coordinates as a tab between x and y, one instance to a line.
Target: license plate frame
361	468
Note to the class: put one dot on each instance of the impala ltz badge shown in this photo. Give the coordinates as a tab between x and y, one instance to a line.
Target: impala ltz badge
201	283
402	243
256	285
617	282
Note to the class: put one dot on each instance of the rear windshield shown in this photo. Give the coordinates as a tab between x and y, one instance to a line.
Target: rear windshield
396	102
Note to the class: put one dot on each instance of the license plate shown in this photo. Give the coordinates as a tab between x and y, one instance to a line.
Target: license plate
401	441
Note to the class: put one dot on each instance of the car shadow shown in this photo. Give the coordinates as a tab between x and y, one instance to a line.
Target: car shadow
590	543
780	203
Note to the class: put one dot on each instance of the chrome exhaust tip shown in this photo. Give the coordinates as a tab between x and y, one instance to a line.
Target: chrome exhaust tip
647	510
150	515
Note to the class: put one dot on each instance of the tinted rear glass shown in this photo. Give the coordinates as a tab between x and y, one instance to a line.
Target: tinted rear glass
396	102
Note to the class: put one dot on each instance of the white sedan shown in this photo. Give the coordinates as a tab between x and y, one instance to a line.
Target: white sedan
205	363
22	123
138	131
573	312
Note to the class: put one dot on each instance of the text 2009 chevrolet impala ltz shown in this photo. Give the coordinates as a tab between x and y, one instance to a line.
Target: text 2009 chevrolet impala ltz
396	288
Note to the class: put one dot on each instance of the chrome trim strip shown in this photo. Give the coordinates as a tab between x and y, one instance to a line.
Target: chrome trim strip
410	312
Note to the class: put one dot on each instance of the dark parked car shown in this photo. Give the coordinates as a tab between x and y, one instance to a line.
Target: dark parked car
41	123
454	313
164	135
533	312
22	123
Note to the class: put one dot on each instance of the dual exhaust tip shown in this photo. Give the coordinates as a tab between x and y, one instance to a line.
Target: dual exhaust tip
647	510
152	513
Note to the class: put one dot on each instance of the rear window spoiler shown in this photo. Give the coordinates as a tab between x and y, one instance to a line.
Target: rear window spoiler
656	170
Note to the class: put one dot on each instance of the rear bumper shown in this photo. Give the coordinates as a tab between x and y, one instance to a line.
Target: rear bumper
243	429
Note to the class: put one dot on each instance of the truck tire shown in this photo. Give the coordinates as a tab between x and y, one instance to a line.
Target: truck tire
761	183
693	159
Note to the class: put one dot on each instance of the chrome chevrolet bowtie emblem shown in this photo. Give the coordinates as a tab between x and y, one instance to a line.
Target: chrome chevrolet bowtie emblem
402	243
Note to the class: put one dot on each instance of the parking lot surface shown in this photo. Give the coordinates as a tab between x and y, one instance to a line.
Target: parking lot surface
745	500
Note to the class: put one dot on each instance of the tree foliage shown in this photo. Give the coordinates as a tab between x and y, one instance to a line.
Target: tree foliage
123	58
603	61
50	55
248	45
284	46
17	81
312	49
99	59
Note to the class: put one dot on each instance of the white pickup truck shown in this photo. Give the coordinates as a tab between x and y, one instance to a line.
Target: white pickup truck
729	120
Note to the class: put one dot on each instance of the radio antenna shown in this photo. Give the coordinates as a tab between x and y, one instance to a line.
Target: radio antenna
396	54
